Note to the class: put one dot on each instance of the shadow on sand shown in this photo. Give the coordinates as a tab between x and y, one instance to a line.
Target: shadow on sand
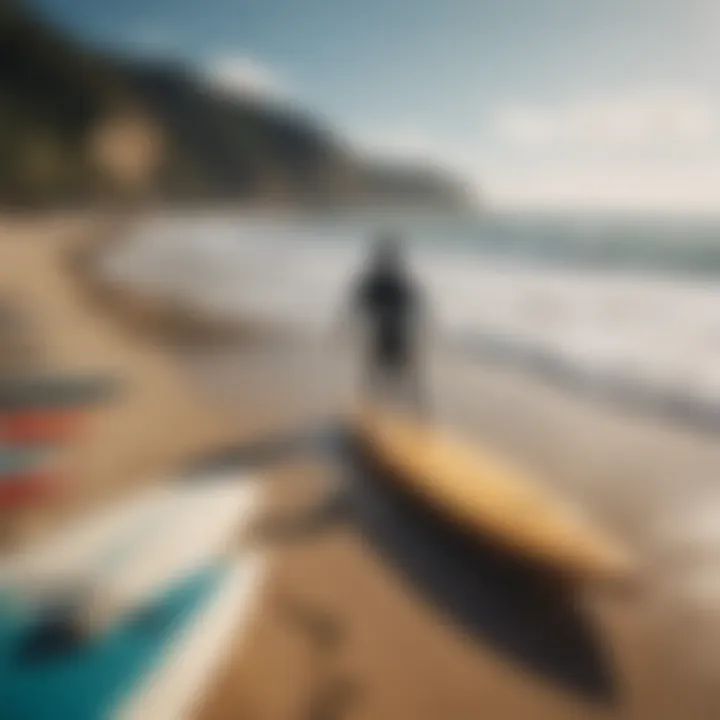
519	609
522	611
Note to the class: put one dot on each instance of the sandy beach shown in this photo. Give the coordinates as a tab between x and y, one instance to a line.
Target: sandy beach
372	610
413	652
156	422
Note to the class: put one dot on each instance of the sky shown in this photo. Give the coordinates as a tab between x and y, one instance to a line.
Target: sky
541	104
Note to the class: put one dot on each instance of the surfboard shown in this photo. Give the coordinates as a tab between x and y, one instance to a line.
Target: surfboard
32	426
123	555
165	590
33	391
154	666
491	497
199	525
16	461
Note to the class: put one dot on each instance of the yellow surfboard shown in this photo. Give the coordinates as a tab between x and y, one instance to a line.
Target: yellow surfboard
489	496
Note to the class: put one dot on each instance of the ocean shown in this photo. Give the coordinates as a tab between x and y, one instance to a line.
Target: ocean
623	307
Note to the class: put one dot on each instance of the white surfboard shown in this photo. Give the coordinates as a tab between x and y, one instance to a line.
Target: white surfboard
205	517
172	533
174	690
121	557
69	555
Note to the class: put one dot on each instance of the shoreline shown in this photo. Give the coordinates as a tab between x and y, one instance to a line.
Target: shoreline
182	324
165	319
596	354
685	409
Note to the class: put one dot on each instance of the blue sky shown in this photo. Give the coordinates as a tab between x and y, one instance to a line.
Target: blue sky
543	103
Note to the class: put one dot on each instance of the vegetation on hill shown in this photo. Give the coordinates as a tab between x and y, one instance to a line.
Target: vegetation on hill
51	92
192	141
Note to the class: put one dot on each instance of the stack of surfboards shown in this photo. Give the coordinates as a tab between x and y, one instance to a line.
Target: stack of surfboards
154	593
492	498
37	414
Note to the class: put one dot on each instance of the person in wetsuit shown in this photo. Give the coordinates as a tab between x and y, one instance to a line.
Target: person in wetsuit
388	300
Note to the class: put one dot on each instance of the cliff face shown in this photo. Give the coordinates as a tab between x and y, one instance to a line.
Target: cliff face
223	146
80	125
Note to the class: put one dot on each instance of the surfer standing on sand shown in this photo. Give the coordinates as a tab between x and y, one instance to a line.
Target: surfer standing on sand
388	301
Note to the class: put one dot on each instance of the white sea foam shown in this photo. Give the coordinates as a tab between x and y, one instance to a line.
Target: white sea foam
658	330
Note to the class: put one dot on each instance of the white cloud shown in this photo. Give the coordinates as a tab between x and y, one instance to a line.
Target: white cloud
642	120
610	155
690	189
411	143
649	150
245	76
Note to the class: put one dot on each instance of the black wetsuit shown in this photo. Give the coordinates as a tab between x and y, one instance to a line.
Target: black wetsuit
389	301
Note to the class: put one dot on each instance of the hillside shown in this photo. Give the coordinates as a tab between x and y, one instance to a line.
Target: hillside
79	125
51	92
222	146
411	183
